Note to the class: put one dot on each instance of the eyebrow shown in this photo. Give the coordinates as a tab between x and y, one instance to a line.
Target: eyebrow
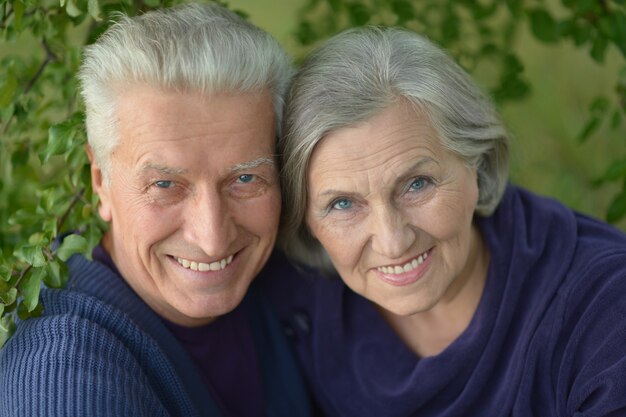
407	172
163	169
179	171
264	160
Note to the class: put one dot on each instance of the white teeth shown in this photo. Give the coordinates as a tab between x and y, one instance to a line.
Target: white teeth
409	266
202	267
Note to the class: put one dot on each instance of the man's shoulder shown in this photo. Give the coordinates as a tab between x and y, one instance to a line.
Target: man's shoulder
82	352
72	321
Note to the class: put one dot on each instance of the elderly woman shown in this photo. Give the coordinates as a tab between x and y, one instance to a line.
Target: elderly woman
460	294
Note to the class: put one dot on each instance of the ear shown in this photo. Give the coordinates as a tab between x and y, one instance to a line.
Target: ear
97	182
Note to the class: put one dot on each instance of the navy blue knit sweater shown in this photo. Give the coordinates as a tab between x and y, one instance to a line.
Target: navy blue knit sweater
99	350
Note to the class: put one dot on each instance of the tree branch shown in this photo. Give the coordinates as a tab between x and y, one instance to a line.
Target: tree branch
75	199
22	275
50	56
50	253
6	14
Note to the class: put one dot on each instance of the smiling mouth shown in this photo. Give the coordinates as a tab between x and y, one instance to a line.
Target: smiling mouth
202	266
407	267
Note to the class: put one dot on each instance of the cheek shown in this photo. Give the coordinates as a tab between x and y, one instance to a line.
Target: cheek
451	216
261	214
341	243
140	223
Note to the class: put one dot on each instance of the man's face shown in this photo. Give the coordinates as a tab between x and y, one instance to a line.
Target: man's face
193	199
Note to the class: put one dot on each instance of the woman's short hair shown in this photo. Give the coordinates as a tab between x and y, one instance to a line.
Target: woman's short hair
199	48
357	74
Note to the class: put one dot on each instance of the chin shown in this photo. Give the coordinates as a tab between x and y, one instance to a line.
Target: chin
405	309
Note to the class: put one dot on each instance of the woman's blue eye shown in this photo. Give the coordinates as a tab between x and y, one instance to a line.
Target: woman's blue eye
342	204
246	178
164	184
418	184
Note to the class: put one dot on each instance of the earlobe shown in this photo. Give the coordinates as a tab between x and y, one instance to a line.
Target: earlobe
97	182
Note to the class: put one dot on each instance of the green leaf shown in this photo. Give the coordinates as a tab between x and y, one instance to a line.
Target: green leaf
600	105
305	33
450	26
543	26
6	271
566	27
22	216
515	7
31	254
591	126
598	48
8	297
23	313
581	34
404	10
8	87
480	12
87	211
60	139
584	6
93	7
619	19
616	120
335	5
31	286
71	244
7	328
615	171
617	208
607	27
18	12
56	274
72	9
36	238
512	85
359	14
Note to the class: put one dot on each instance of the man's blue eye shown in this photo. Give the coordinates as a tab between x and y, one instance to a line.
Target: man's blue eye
418	184
342	204
164	184
246	178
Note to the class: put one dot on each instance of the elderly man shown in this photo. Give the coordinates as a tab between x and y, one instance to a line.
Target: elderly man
183	107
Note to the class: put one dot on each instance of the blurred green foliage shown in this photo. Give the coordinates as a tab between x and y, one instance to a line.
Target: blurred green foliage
45	190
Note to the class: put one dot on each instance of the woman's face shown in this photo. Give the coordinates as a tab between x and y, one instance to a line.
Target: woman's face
393	208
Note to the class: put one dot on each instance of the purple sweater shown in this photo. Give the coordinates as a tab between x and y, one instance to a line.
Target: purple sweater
548	337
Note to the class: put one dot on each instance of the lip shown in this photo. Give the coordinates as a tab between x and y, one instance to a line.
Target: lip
406	278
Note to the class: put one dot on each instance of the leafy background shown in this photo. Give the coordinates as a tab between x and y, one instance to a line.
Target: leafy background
556	68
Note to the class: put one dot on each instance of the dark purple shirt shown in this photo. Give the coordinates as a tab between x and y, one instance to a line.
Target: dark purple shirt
224	354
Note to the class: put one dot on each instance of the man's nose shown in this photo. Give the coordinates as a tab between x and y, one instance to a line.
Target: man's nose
391	233
210	223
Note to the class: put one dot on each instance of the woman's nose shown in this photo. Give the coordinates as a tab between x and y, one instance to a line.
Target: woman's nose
391	234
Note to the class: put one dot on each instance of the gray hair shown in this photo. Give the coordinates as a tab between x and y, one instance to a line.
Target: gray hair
357	74
204	48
